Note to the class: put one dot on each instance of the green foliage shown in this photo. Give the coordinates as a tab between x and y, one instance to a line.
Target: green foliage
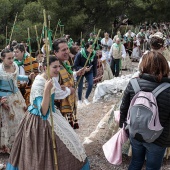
33	11
76	15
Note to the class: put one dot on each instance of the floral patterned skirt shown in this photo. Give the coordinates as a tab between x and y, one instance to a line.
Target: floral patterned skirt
10	120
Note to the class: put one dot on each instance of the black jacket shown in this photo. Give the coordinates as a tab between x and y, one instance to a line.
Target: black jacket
148	83
80	61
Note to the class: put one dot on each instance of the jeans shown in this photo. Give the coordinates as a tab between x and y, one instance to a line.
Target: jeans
89	78
115	66
154	155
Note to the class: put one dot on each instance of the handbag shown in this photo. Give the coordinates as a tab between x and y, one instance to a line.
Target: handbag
113	148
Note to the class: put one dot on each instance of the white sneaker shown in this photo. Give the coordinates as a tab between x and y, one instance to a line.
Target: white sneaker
79	103
86	101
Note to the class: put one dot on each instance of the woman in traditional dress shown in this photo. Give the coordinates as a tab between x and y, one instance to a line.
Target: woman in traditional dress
12	104
33	146
136	53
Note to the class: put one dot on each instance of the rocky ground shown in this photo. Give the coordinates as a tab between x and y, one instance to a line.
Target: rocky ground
94	132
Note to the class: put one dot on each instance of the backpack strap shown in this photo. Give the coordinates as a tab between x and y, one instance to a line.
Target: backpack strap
135	85
160	89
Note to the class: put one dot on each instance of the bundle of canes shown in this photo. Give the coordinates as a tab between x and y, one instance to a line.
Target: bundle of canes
51	115
88	58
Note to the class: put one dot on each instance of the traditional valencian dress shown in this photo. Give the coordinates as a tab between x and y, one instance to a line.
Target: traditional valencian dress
10	119
33	149
26	66
136	53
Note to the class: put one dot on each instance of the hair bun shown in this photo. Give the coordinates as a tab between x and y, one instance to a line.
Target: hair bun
159	35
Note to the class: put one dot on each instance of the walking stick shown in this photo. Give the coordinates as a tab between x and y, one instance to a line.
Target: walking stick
13	28
56	29
42	34
112	32
38	43
88	58
51	115
49	21
29	44
6	36
81	39
126	29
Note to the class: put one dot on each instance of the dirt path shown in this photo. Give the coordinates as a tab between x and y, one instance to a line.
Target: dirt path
89	117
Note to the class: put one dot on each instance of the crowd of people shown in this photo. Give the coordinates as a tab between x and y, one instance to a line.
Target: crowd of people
30	92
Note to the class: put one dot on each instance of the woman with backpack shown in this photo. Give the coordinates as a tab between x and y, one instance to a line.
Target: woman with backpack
154	70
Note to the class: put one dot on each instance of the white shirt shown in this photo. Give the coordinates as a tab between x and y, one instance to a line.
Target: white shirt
22	72
59	93
123	51
109	42
132	34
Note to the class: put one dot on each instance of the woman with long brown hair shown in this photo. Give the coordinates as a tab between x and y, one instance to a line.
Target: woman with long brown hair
154	70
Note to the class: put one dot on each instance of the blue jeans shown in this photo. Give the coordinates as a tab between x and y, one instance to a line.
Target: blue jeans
154	155
89	78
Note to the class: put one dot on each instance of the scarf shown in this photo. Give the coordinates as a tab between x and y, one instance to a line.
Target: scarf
117	46
67	67
83	53
70	43
20	63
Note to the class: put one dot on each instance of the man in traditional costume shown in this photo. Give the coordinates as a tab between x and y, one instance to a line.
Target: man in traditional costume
26	64
67	106
117	51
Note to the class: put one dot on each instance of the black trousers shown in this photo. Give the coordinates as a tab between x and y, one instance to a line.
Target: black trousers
115	66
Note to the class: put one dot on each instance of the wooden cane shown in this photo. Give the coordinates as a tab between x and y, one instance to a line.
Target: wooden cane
29	42
56	30
81	39
38	43
51	115
13	28
6	35
41	34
